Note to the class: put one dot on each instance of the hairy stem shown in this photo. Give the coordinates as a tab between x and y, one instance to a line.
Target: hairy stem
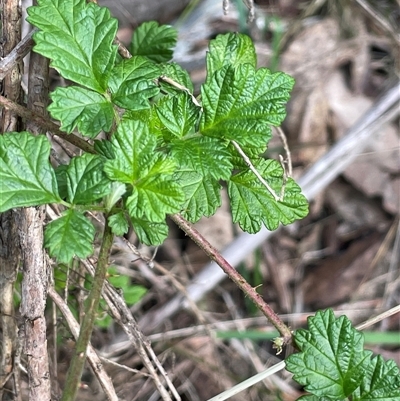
45	124
92	302
235	276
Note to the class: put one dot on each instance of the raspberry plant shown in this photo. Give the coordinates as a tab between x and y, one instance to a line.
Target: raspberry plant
155	150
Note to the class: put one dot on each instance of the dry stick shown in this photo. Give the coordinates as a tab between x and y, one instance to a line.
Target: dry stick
17	54
94	360
235	276
124	318
78	360
254	170
45	124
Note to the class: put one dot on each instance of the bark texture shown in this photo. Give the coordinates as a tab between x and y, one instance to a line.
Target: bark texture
9	250
35	265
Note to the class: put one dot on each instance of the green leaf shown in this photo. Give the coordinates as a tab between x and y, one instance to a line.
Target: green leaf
104	148
86	180
132	83
154	41
131	144
118	223
203	195
241	103
61	175
150	233
178	114
252	204
205	155
380	382
83	109
26	175
78	38
117	190
175	72
332	361
231	49
134	293
71	234
155	193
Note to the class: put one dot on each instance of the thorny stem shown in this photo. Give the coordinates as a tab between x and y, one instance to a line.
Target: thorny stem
78	360
235	276
46	124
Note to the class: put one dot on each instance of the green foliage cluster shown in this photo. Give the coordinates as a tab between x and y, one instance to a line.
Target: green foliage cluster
165	152
333	365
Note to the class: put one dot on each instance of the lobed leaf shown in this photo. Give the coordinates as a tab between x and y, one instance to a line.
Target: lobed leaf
252	204
232	49
83	109
70	235
154	41
118	223
175	72
203	195
332	361
86	181
380	381
205	155
78	38
150	233
241	103
26	175
178	114
154	191
132	83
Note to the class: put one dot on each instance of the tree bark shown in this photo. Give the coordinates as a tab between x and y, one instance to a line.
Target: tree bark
35	264
9	250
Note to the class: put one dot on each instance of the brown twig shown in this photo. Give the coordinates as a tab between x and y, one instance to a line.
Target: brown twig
46	124
235	276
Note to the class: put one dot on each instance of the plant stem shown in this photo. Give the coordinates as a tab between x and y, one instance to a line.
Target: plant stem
46	124
235	276
78	360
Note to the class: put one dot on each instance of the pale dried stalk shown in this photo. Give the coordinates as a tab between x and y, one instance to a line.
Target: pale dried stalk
94	360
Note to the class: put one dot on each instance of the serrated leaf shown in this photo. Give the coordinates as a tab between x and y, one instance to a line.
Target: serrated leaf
230	49
86	180
241	103
154	191
156	194
332	361
252	204
78	38
150	233
203	195
132	83
175	72
83	109
380	382
26	175
131	143
178	114
70	235
205	155
154	41
104	148
118	223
